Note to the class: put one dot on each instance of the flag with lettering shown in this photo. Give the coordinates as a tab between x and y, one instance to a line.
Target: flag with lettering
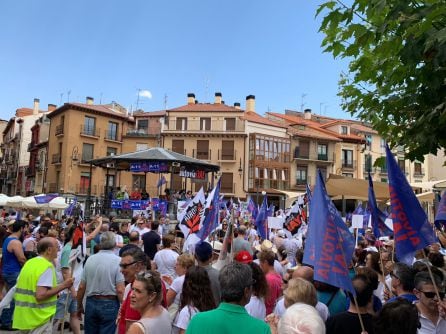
43	199
329	244
70	210
412	230
440	217
191	217
210	217
252	208
378	218
262	219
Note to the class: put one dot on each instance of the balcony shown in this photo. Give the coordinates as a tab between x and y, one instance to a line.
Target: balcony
202	155
112	136
89	131
82	189
313	156
144	132
301	182
195	126
348	164
418	172
367	167
381	170
59	130
56	158
227	156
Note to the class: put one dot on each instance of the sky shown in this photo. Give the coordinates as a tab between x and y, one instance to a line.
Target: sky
60	51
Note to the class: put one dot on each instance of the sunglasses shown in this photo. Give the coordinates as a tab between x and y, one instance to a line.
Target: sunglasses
126	265
431	295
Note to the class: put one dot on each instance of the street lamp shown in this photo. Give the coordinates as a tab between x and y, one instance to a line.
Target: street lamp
240	169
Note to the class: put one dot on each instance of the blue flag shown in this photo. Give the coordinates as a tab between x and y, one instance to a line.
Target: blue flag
308	193
380	229
252	208
329	245
410	225
262	219
210	217
161	181
69	211
440	217
43	199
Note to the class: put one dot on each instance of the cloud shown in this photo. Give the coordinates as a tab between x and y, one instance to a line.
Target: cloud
145	93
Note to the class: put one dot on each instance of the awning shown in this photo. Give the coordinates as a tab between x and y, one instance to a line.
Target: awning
429	186
350	188
291	196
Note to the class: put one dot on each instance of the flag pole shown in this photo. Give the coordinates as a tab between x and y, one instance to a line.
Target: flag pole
359	314
382	269
431	275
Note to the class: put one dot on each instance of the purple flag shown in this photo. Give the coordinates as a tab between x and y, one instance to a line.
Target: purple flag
161	181
308	193
69	211
380	229
210	217
440	218
262	219
252	208
410	225
329	245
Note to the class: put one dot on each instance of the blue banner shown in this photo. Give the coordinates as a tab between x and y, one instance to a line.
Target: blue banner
43	199
329	245
410	225
262	219
156	203
380	229
151	167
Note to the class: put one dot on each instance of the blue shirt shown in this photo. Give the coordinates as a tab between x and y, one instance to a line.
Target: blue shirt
11	264
408	296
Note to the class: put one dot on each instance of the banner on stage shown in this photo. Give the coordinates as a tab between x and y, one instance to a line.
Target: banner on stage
151	167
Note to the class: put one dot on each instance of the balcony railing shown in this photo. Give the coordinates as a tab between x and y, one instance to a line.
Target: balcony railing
312	155
144	132
418	173
112	135
202	155
227	155
89	131
300	182
82	189
381	170
196	126
348	164
56	158
59	129
367	167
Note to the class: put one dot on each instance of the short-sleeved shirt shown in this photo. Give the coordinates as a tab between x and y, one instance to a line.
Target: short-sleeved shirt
151	240
177	286
165	261
183	318
274	281
102	273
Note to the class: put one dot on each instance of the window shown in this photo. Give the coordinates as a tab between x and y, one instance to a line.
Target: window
181	123
112	131
344	130
230	124
112	151
383	145
347	158
303	150
350	175
87	152
178	146
205	123
84	182
322	152
143	124
402	165
368	142
89	126
227	150
227	185
417	168
323	172
141	147
301	175
203	149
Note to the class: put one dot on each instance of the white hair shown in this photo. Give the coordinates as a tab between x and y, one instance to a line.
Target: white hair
301	319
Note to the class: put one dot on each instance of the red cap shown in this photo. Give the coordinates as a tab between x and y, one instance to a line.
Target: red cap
243	257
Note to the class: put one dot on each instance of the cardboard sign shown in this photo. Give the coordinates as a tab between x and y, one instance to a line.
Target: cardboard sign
275	222
358	221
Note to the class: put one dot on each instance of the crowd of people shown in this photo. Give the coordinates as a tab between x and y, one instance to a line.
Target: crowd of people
136	277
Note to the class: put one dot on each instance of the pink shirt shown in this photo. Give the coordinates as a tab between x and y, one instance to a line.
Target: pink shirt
274	281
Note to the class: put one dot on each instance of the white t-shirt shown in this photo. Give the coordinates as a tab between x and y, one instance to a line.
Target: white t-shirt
165	260
177	286
141	231
256	308
46	279
183	318
321	308
119	240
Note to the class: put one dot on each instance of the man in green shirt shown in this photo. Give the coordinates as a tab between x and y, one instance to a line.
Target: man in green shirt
230	316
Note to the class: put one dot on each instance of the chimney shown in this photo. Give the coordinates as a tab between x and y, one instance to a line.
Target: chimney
307	114
218	98
237	105
190	98
51	107
36	106
251	103
90	100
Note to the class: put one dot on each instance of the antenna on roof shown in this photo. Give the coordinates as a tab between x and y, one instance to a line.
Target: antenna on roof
206	89
61	96
165	101
302	104
100	98
137	99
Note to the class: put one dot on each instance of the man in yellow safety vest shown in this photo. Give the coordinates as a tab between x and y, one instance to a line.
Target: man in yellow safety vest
37	289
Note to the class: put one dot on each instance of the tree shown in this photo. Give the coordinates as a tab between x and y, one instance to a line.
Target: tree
397	69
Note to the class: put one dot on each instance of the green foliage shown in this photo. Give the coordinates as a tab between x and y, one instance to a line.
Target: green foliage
397	70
